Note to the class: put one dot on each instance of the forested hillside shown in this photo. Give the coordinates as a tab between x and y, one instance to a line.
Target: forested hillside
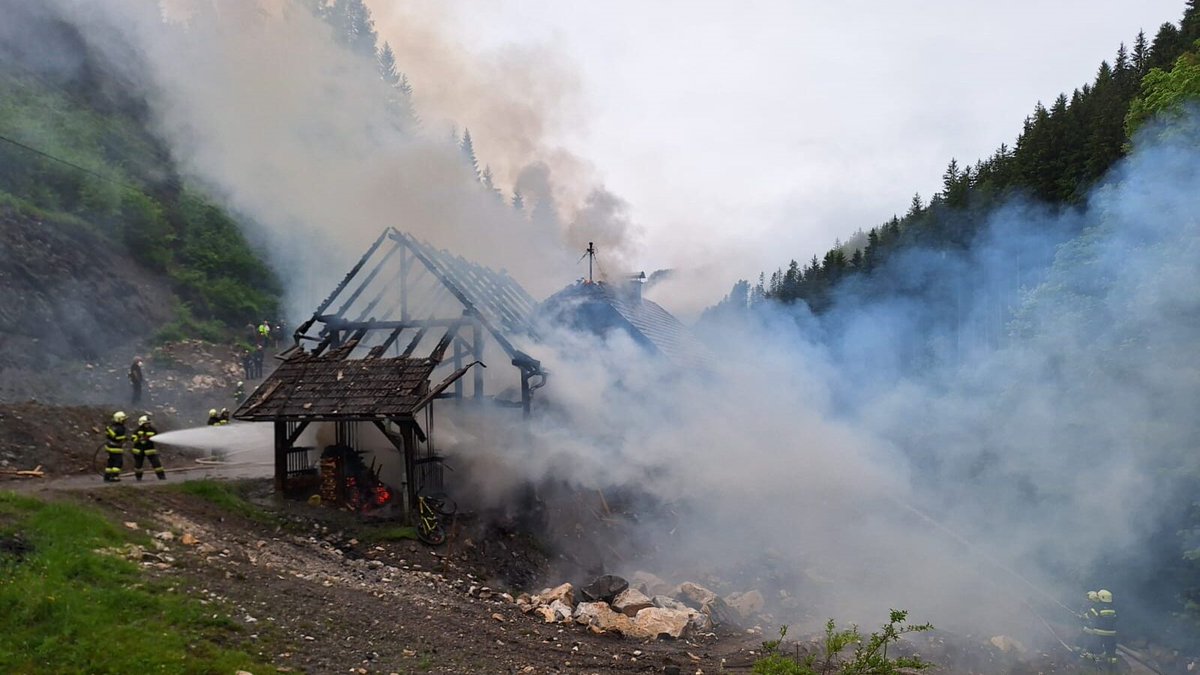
78	157
1059	155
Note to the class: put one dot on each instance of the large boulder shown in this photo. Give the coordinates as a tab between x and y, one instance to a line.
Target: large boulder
694	595
561	610
722	614
746	604
563	592
653	622
631	601
604	588
698	621
600	618
667	602
648	583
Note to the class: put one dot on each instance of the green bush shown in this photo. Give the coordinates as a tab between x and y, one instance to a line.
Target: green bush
870	656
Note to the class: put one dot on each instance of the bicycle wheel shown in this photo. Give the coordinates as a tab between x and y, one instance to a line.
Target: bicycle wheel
444	506
431	532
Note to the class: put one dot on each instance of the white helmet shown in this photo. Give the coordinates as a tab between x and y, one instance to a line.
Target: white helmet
143	420
239	383
118	417
212	412
1104	595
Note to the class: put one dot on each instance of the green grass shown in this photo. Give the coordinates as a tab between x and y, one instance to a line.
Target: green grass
65	608
225	495
389	533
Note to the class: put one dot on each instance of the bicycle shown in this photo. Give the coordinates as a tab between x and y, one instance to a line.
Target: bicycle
431	513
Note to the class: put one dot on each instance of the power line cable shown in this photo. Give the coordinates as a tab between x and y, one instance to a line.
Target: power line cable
71	164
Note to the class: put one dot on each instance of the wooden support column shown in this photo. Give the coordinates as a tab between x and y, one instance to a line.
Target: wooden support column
477	345
404	283
459	352
525	393
281	450
410	466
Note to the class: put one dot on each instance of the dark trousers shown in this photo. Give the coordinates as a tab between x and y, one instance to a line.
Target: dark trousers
137	393
116	461
151	454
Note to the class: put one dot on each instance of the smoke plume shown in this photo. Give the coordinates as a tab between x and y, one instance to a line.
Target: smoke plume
1011	407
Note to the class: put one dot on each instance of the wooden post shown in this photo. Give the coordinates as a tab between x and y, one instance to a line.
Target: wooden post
410	466
459	351
525	394
404	283
281	452
477	345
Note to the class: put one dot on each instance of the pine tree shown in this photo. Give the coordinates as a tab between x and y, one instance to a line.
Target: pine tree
915	207
489	183
1141	54
1189	26
518	202
354	27
387	65
468	152
1168	44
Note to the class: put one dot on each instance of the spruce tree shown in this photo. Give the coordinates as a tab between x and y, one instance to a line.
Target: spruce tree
387	65
468	152
1141	54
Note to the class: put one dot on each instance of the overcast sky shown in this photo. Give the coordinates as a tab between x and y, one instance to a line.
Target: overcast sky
768	128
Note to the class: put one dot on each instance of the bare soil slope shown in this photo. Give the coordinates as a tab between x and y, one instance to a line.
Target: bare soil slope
69	294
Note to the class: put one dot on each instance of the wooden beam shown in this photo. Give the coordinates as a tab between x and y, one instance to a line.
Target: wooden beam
281	449
477	346
303	328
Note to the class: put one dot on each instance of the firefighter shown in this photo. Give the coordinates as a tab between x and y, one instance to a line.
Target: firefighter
143	448
136	378
264	332
213	417
239	392
114	442
1090	641
224	419
1105	627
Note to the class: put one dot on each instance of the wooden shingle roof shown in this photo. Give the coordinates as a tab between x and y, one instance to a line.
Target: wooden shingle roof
307	387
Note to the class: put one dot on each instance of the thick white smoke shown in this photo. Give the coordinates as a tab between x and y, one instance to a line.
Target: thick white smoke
1043	442
1012	427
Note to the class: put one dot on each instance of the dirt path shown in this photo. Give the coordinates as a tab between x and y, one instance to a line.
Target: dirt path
313	595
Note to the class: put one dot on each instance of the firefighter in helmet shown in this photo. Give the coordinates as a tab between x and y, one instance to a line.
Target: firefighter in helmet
144	448
214	418
1089	643
224	416
1106	626
115	436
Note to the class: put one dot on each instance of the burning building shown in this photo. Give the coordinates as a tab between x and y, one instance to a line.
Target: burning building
356	387
602	307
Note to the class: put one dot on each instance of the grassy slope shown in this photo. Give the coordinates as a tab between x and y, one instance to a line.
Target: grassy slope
64	608
125	190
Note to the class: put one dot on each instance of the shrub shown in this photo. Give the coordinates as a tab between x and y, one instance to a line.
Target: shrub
870	656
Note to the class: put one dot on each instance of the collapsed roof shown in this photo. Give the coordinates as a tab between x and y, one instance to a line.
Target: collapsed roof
600	307
330	387
409	299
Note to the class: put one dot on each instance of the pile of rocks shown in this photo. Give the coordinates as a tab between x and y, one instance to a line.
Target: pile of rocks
643	607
